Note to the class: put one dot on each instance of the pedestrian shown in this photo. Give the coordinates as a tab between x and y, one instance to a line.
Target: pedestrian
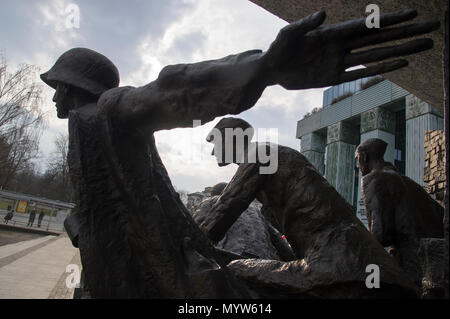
8	217
41	216
31	219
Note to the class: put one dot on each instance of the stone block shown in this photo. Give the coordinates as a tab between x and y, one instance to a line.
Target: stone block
342	132
377	119
431	253
313	142
415	107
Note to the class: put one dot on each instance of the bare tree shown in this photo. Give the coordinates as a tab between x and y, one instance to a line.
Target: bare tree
58	169
21	118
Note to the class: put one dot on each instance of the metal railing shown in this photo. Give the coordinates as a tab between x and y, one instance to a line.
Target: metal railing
48	223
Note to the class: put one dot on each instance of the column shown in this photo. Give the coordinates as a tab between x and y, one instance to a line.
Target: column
313	148
342	138
420	116
376	123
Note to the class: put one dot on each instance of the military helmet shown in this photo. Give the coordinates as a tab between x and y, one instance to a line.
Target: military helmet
218	188
85	69
230	122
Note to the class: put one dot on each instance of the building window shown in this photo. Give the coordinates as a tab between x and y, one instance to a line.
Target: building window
400	141
352	86
346	87
335	92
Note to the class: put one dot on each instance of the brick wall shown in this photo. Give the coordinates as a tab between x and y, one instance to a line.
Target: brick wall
434	171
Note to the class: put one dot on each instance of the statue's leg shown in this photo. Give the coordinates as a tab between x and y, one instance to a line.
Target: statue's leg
278	278
317	279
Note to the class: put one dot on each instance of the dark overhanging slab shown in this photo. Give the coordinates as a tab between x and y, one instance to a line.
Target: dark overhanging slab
423	76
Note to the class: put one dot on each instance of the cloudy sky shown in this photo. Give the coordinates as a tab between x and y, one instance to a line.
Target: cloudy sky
141	37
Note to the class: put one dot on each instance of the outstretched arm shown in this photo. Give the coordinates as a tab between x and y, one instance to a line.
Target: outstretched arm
304	55
235	199
186	92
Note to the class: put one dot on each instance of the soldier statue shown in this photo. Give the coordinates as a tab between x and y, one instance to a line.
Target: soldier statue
399	211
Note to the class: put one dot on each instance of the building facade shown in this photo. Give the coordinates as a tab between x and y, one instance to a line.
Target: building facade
355	111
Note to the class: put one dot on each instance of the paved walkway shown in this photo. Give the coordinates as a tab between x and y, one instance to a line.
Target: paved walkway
36	269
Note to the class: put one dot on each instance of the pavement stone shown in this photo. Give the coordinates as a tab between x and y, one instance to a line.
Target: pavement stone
39	274
10	249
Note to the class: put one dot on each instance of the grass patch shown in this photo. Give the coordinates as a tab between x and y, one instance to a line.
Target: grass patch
342	97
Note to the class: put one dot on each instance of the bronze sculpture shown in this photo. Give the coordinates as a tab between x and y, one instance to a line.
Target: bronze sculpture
399	211
331	245
251	236
136	239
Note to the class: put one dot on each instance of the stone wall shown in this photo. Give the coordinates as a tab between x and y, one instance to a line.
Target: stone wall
434	172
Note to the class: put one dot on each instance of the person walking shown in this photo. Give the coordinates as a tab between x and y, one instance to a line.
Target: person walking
8	217
31	219
41	216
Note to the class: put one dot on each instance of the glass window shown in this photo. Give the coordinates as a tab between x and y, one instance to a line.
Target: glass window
352	86
346	87
358	85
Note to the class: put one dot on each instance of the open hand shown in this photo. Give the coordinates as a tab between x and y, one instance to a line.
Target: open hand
308	55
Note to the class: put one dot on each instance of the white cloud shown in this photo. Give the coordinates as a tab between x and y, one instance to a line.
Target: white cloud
53	17
223	27
228	27
150	36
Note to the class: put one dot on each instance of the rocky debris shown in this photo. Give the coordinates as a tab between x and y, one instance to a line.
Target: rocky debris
251	236
431	253
248	237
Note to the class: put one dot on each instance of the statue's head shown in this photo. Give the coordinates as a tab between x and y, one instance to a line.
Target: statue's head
80	72
370	151
218	188
230	137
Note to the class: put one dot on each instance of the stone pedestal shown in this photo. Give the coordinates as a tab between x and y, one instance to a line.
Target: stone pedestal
342	138
313	148
431	254
379	123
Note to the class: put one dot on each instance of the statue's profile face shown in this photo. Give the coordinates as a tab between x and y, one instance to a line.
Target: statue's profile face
220	149
62	100
363	163
216	138
229	145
